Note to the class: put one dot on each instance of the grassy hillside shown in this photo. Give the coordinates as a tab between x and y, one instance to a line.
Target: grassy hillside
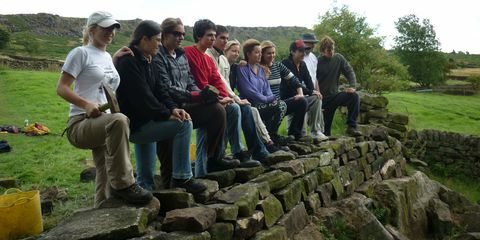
57	35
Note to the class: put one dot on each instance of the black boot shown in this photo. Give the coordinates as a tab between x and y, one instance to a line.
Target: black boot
221	164
133	194
191	185
353	131
245	160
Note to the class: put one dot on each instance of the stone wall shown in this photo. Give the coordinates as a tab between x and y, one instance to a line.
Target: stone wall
457	152
17	62
274	201
373	110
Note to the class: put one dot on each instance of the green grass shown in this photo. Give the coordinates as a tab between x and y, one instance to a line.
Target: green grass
443	112
438	111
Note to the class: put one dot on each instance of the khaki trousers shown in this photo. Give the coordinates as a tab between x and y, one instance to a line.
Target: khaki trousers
261	128
107	137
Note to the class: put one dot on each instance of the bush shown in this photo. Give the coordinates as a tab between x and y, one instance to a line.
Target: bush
474	80
376	70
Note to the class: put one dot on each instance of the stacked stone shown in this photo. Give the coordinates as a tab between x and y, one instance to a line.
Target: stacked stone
373	110
267	202
460	153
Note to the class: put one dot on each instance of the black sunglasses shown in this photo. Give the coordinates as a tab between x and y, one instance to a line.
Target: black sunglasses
177	33
308	48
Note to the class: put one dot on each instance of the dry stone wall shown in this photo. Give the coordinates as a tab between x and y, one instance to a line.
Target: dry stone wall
274	201
458	152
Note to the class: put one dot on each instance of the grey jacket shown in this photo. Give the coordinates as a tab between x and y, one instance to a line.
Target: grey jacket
328	74
175	73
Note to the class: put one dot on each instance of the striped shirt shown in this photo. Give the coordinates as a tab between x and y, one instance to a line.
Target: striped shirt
279	72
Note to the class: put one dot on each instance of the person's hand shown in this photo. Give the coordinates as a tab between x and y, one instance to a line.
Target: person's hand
243	102
209	94
298	96
350	90
226	100
317	93
92	110
242	63
121	52
180	115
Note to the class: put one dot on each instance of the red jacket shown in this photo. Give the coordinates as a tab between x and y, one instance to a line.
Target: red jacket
204	70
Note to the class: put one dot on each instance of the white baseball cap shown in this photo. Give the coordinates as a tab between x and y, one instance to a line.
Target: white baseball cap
102	19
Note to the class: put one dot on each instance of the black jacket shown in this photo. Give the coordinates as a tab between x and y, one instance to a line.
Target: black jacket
175	73
141	96
303	77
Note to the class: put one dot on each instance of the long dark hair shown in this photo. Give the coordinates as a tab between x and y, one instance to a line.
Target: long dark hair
146	28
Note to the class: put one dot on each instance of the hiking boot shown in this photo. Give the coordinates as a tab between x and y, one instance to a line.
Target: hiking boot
133	194
353	131
271	147
245	160
281	140
221	164
191	185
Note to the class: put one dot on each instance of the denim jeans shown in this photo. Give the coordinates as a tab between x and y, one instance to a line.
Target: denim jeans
145	139
252	138
232	133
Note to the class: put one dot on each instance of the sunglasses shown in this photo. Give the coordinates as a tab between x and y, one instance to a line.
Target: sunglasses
178	34
308	48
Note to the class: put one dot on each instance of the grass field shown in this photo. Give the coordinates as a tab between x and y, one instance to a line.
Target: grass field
41	162
438	111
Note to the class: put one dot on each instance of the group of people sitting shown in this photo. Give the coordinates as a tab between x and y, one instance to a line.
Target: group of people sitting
165	91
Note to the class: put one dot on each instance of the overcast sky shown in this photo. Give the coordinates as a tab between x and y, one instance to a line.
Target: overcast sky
457	23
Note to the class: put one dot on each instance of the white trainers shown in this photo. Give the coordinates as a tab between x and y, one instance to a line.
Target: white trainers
319	136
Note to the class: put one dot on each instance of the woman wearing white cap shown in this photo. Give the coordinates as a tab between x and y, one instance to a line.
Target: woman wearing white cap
89	68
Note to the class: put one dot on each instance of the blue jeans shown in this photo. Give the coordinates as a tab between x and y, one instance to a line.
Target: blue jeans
201	154
254	143
232	133
145	139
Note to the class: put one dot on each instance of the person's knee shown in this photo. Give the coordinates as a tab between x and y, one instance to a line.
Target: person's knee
354	96
119	120
216	110
233	110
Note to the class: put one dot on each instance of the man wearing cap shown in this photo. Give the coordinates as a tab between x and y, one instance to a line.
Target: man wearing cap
310	59
297	66
329	67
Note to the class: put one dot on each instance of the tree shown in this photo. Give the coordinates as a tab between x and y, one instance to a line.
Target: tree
4	37
356	40
418	48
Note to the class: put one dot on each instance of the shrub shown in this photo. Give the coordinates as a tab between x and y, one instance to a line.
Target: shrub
474	80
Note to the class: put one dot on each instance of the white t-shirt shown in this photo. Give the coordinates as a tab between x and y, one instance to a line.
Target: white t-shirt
91	67
312	61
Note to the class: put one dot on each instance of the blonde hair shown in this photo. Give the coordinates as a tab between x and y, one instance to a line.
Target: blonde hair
231	43
326	43
86	34
264	46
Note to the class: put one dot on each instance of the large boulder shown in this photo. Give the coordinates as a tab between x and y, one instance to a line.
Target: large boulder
105	223
407	200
